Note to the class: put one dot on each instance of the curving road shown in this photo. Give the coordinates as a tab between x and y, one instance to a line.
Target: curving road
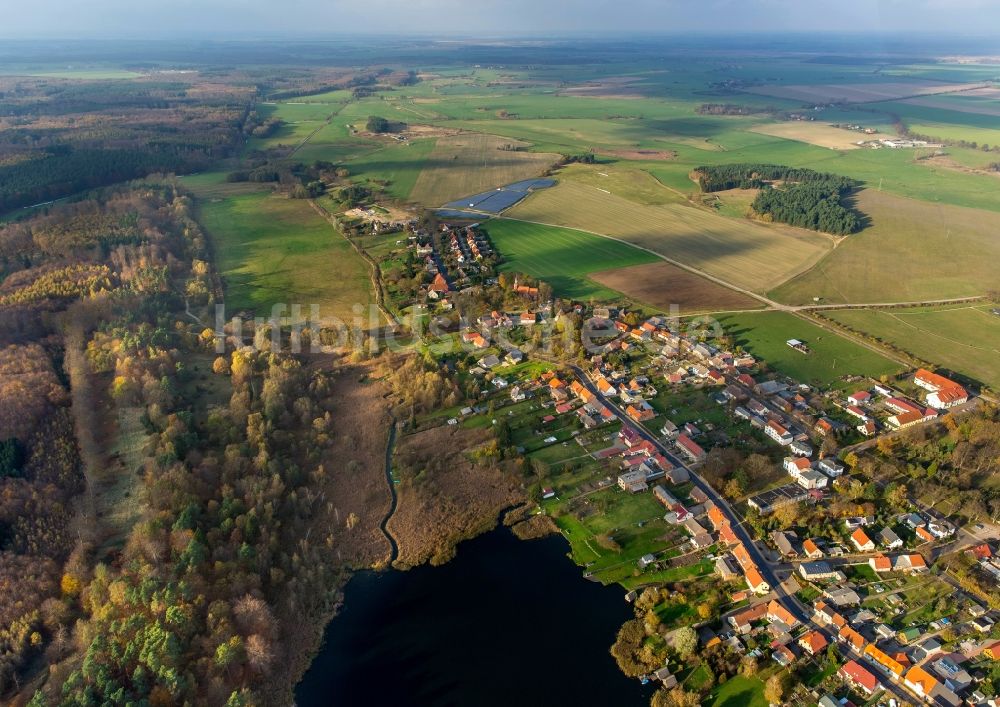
789	601
767	569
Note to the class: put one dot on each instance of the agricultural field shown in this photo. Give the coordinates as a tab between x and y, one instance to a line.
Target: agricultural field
962	338
748	254
562	257
983	101
622	179
833	357
859	92
81	73
913	251
814	133
663	285
400	164
270	250
469	163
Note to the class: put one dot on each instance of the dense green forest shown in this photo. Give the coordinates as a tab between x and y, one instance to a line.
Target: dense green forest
796	196
60	137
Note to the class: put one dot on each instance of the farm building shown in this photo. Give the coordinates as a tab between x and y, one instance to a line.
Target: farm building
689	448
943	392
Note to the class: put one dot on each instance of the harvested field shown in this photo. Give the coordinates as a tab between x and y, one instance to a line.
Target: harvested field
611	87
662	285
472	162
913	251
656	155
860	92
446	497
819	134
633	184
752	255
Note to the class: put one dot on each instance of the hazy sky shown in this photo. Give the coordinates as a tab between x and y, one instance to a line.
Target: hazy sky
244	18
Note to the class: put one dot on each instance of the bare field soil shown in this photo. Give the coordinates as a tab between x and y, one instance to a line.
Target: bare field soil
748	254
819	134
445	497
860	92
470	163
661	285
639	155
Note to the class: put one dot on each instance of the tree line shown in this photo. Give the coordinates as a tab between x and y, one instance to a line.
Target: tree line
793	195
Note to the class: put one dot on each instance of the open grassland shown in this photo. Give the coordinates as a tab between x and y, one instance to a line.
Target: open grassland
299	122
270	250
954	133
662	285
902	172
814	133
962	338
764	335
752	255
562	257
913	251
399	164
469	163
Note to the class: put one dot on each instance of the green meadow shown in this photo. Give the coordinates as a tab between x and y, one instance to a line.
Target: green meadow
962	338
272	250
562	257
764	334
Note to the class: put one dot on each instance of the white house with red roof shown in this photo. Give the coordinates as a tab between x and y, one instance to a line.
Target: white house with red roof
689	448
944	392
778	433
860	398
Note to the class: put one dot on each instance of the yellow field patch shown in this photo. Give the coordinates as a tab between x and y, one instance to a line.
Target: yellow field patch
813	133
912	251
748	254
469	163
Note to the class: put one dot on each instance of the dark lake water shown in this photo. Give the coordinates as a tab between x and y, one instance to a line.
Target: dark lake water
505	623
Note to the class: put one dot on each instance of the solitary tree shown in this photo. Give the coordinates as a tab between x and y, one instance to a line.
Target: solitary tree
685	642
775	688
